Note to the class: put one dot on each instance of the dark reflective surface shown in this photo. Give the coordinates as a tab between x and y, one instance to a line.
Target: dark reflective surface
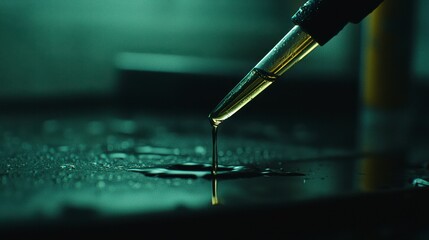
57	171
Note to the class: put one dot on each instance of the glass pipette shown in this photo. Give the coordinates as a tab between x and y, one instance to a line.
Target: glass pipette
316	22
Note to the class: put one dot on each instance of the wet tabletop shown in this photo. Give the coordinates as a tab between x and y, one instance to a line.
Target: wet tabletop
67	165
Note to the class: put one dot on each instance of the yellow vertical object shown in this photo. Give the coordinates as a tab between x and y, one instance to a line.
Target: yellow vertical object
386	79
387	55
381	172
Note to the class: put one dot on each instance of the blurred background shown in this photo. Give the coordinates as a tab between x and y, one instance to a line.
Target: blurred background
53	49
347	98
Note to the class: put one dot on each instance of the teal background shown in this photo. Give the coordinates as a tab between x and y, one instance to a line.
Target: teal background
57	48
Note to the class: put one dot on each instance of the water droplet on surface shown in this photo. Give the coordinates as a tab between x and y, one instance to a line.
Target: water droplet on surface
157	150
200	150
419	182
63	148
118	155
68	166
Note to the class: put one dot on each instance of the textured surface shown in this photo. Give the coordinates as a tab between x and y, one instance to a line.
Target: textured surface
58	168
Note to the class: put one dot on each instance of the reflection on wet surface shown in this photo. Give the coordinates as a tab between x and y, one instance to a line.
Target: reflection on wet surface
148	164
193	170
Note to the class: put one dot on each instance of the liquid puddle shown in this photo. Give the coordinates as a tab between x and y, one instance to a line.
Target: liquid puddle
197	170
211	171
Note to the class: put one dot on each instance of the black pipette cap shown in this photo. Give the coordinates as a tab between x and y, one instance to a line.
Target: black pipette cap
323	19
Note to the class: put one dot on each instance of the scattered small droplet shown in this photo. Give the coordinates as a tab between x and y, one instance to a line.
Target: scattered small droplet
118	155
157	150
200	150
420	182
63	148
68	166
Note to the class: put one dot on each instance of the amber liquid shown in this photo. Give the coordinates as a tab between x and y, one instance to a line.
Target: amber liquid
215	164
247	89
215	161
213	171
215	200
